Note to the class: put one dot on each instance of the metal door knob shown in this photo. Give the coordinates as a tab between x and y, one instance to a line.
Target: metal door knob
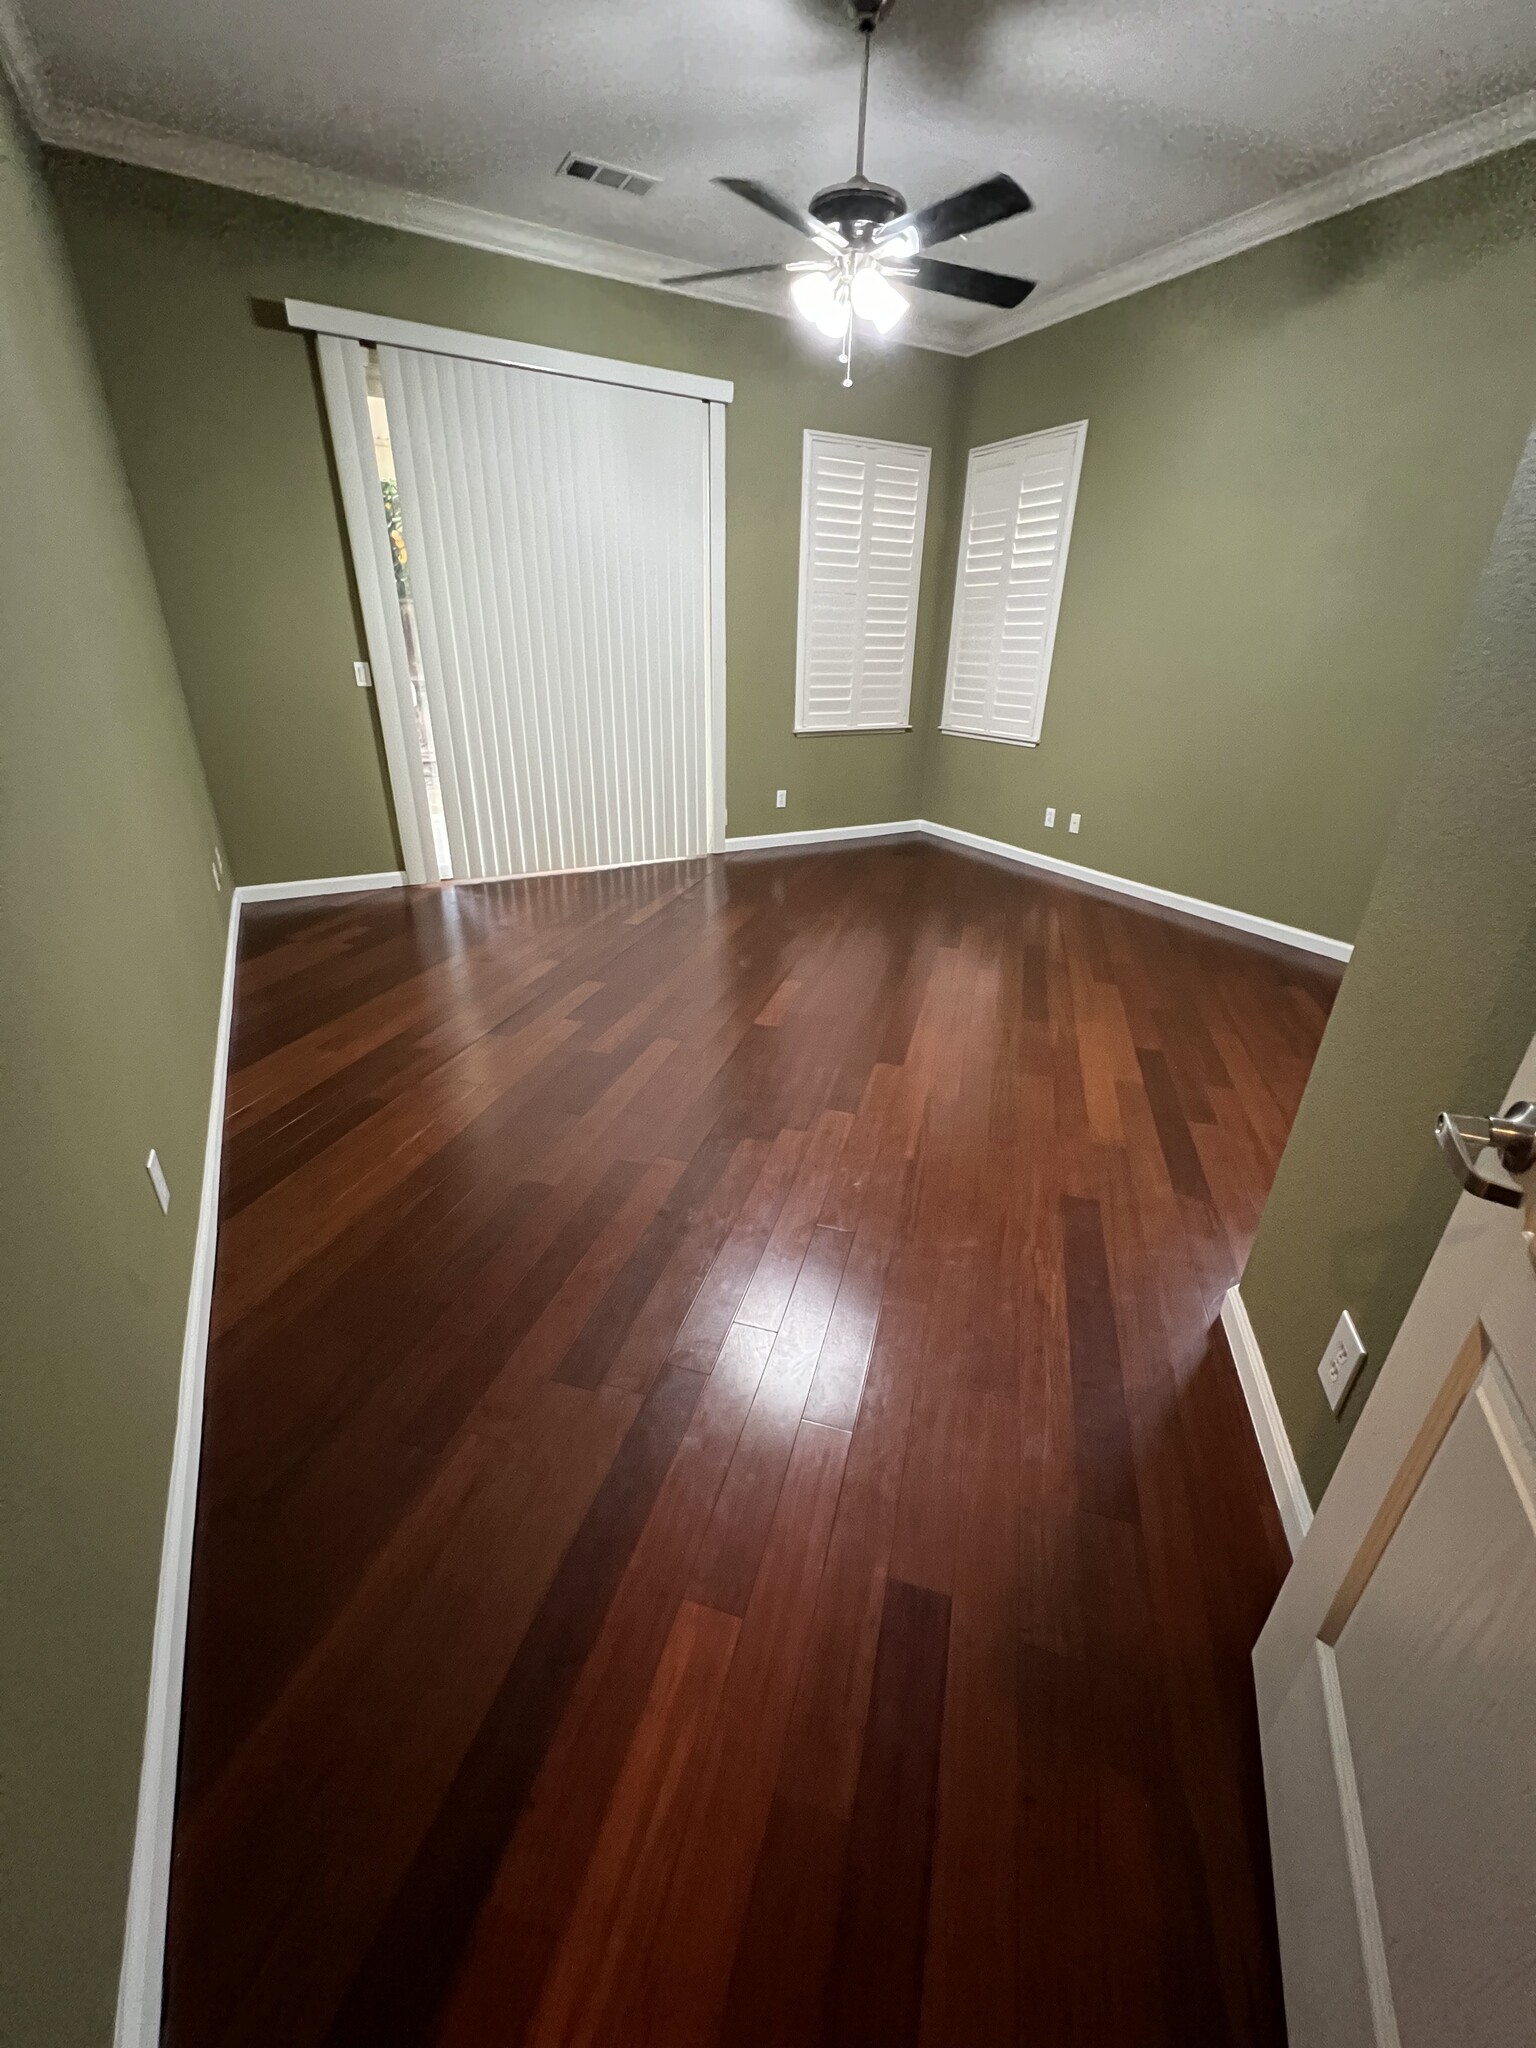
1512	1136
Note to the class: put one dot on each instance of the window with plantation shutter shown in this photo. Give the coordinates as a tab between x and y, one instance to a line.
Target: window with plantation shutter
862	509
1014	532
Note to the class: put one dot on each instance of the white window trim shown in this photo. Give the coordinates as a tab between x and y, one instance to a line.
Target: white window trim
834	732
344	381
1078	428
516	355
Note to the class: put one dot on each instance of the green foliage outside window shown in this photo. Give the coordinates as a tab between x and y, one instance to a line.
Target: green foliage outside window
396	536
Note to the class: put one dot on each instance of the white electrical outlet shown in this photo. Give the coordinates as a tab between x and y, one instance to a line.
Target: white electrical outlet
780	798
1341	1361
363	675
217	867
1074	821
1050	814
158	1181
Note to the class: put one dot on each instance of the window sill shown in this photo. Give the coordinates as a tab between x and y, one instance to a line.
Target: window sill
996	739
843	732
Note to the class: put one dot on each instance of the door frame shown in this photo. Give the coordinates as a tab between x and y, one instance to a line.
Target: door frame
342	338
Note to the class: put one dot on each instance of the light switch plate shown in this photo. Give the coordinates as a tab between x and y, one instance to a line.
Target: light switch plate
1341	1361
363	675
780	798
161	1185
1075	821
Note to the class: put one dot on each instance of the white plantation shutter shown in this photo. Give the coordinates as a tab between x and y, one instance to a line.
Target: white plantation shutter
863	504
1019	497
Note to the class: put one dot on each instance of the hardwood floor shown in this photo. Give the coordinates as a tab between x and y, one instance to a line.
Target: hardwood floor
722	1518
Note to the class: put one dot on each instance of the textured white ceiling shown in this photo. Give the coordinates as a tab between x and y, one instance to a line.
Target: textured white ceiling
1130	122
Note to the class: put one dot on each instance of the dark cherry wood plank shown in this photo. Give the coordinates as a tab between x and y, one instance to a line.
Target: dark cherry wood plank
723	1521
970	1983
409	1965
679	1984
783	1961
543	1870
1106	1467
876	1992
1173	1133
738	1530
632	1862
591	1358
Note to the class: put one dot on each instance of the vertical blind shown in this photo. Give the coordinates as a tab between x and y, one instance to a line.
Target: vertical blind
1014	531
557	540
863	505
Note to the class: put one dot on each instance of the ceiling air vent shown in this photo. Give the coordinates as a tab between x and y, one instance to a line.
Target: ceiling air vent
592	171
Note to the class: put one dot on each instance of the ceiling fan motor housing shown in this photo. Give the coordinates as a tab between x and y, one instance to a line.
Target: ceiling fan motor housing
857	207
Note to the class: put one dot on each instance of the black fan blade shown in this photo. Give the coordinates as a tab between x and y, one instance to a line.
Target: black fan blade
709	276
782	209
962	213
986	287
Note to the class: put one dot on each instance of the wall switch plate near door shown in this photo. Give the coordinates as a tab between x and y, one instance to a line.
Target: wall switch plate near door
1341	1361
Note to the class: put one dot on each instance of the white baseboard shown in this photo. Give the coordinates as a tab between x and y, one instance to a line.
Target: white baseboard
140	1979
1022	856
325	885
1268	1425
1146	892
834	835
139	1983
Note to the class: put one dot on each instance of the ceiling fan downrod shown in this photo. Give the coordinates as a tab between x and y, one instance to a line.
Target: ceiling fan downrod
867	30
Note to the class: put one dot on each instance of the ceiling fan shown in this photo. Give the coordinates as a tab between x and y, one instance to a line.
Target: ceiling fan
866	237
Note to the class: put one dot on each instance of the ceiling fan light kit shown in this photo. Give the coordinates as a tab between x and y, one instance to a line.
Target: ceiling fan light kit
816	299
868	242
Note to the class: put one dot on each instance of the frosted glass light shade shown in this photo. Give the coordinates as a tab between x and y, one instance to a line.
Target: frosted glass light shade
818	302
876	299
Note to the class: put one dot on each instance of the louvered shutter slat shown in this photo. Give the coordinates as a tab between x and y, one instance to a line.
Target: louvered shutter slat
863	510
1014	533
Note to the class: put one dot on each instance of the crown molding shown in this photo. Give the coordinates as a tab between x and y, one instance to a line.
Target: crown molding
1497	128
266	175
96	132
20	65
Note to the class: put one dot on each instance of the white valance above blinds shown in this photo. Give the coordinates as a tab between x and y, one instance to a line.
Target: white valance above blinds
1017	522
863	507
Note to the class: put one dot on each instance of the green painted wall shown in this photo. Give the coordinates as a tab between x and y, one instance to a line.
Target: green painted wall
113	950
1295	462
222	432
1436	1011
1294	466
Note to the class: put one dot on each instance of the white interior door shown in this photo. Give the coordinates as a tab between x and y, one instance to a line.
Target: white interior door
1397	1676
559	553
